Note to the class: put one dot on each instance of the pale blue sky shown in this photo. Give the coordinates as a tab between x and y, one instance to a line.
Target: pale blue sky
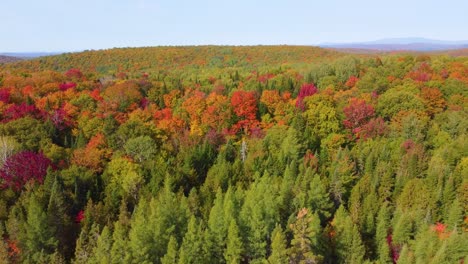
72	25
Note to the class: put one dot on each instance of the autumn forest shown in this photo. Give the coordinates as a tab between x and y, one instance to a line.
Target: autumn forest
234	154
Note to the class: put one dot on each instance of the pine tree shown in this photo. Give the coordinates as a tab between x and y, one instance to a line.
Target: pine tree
304	237
58	218
341	176
217	229
383	225
319	200
234	246
455	215
279	252
140	236
86	243
172	250
406	256
40	239
192	248
4	258
120	237
102	251
348	241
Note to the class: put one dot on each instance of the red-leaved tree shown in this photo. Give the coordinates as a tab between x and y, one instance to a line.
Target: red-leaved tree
4	95
244	105
357	114
23	167
307	89
15	111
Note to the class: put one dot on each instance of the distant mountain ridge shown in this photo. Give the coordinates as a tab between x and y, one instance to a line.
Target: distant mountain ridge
28	55
410	44
7	59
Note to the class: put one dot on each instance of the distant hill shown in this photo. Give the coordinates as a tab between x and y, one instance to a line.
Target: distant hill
6	59
28	55
179	57
401	44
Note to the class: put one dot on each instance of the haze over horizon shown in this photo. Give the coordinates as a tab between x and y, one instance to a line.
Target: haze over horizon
58	25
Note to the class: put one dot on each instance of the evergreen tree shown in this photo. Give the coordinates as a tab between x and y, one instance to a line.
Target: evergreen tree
141	243
102	251
279	252
383	226
172	250
455	215
192	248
57	216
406	256
234	245
40	239
120	237
4	258
86	243
304	240
319	199
349	247
217	229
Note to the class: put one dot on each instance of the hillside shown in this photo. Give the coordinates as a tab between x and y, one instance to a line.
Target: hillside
401	44
8	59
224	154
173	58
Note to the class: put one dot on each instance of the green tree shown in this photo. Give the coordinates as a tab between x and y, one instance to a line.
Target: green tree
382	229
172	250
40	237
279	251
141	241
192	250
348	241
234	245
120	237
319	199
140	148
305	238
4	257
102	251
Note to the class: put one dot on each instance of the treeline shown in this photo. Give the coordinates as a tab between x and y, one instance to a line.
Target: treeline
263	155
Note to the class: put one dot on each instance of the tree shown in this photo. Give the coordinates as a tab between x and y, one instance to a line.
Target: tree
8	146
382	233
126	176
172	250
120	236
234	245
395	100
192	249
358	114
217	228
141	241
40	237
279	252
304	243
102	251
348	241
244	105
319	199
23	167
307	89
58	218
433	100
4	254
321	116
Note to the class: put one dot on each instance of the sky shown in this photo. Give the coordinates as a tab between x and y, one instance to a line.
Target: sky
75	25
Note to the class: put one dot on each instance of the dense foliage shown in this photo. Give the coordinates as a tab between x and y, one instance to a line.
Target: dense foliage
234	155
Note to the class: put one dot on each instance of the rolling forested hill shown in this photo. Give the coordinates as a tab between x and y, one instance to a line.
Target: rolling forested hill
223	154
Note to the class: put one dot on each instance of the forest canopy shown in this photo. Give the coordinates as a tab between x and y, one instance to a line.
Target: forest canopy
224	154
